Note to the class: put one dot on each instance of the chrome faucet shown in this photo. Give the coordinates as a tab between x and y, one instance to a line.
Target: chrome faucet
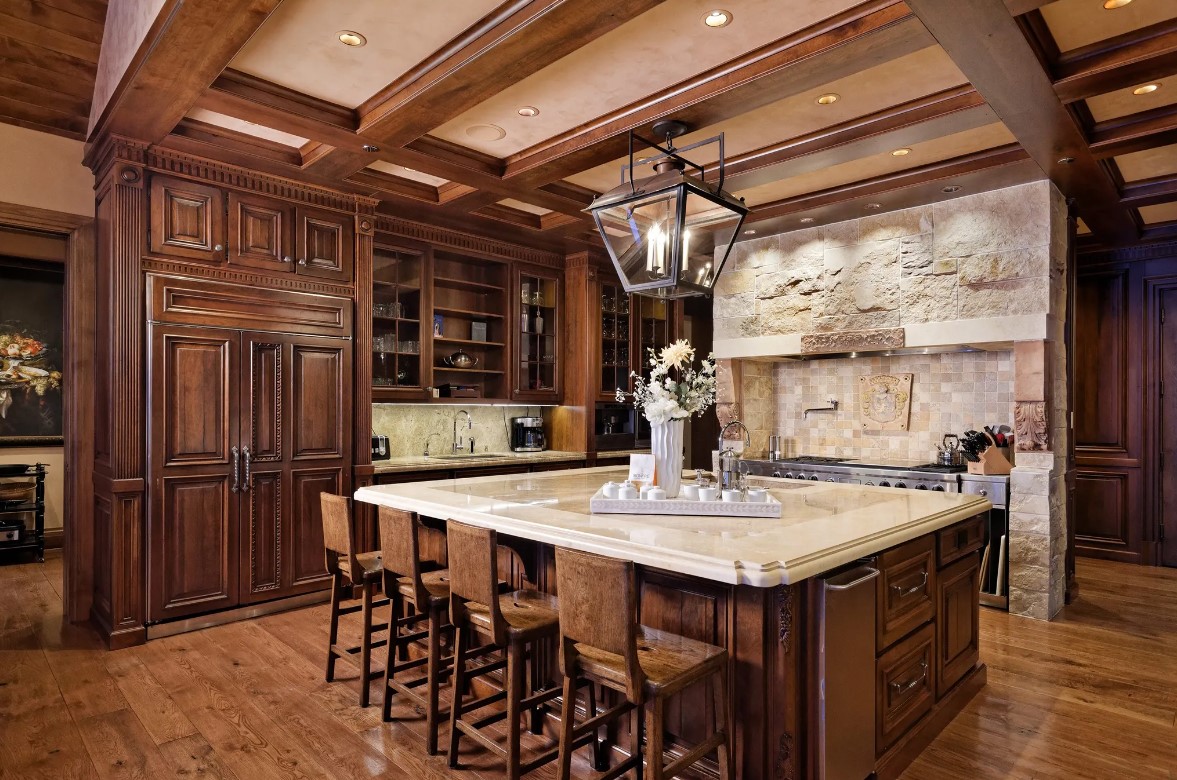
728	462
427	438
459	445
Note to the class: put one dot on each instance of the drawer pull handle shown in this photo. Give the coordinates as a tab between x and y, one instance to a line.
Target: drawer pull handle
905	592
902	688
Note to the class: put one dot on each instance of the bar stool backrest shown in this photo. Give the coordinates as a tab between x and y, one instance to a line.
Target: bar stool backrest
474	574
599	609
337	534
400	549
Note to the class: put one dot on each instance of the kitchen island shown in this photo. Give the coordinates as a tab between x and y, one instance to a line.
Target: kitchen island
758	587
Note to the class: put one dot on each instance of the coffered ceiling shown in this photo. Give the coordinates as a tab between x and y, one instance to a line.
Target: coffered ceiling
506	118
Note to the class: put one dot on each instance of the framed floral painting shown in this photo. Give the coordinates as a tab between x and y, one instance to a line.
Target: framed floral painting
31	324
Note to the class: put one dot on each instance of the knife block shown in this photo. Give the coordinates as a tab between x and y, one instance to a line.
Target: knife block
991	461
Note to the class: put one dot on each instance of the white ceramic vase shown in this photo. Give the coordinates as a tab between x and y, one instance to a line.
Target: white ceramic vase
666	442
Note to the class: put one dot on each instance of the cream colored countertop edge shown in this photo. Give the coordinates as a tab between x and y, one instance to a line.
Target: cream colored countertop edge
423	498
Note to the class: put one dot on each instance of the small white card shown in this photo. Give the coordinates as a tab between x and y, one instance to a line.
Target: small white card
641	469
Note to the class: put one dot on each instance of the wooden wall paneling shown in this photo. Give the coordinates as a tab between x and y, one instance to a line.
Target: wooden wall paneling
261	233
362	475
1165	326
572	422
263	383
1110	519
1102	387
187	219
324	243
186	301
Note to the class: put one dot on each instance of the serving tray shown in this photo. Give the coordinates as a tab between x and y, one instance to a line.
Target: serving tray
598	504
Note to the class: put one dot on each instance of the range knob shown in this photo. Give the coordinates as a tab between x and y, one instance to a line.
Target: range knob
900	484
831	479
921	487
815	478
884	483
871	484
788	475
776	473
939	488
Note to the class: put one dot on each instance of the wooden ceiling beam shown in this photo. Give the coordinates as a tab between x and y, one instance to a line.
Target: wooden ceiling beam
934	116
1123	61
243	143
1161	231
187	47
1150	192
1019	7
870	34
51	29
1146	130
523	36
1008	74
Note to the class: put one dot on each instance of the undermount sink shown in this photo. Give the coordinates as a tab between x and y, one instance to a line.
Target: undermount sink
467	456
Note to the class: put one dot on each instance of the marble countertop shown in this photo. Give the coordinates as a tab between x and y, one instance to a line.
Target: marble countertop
430	463
822	525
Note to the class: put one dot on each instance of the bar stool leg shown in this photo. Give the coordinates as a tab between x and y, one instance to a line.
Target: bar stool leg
366	648
393	645
723	751
515	674
333	635
655	719
567	711
535	683
600	746
636	743
433	670
459	683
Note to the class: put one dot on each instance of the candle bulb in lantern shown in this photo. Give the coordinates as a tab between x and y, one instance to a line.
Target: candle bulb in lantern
686	248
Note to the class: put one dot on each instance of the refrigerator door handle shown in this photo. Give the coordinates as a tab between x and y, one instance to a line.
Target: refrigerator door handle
867	575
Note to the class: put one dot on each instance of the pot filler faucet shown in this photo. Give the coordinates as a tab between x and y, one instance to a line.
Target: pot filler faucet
459	445
728	462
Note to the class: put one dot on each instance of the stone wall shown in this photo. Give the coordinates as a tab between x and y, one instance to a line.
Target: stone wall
407	426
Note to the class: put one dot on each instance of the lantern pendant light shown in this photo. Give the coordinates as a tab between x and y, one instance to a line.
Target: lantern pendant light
669	233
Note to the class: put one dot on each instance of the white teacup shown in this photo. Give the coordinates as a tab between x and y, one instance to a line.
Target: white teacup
708	493
731	496
610	489
757	495
689	492
655	494
627	492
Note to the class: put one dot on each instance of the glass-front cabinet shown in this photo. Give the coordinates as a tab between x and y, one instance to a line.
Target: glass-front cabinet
537	328
615	341
397	285
468	327
654	323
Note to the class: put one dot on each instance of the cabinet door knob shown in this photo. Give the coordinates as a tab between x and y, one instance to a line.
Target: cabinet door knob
302	261
984	492
218	248
287	259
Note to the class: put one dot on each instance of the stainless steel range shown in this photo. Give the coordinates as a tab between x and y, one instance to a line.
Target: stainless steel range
912	475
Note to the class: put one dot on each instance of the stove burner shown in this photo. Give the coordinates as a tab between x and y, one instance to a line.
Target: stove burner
814	459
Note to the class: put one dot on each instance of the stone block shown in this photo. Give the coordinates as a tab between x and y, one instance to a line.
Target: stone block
840	233
1030	552
927	299
737	327
896	224
861	278
944	266
869	321
754	254
802	280
1036	461
1028	523
1029	503
1027	577
995	221
1001	266
998	299
915	254
851	341
802	247
734	282
1029	603
1030	377
733	306
1026	481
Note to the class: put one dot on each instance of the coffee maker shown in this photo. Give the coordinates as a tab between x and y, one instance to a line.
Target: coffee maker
527	434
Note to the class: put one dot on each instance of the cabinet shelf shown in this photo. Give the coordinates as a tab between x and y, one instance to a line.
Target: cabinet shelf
452	370
448	340
405	320
464	284
466	313
405	288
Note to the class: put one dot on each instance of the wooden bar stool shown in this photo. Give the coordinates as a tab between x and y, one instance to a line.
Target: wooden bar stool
512	622
349	570
417	597
607	645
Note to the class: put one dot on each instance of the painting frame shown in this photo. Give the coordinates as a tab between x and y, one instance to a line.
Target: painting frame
42	331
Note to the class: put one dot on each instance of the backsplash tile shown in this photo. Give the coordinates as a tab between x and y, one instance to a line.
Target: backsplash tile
407	426
951	393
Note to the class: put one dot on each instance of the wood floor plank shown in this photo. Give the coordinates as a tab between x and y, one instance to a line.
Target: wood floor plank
121	748
43	744
193	757
157	711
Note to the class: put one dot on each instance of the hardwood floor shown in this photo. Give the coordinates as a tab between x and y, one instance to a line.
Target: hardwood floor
1092	695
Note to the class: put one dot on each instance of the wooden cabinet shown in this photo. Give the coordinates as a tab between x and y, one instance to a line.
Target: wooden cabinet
248	428
469	294
324	243
399	298
187	220
906	686
537	335
907	589
958	629
260	233
616	354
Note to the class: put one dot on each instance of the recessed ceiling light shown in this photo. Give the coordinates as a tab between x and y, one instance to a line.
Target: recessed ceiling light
1066	160
351	38
749	232
718	18
528	111
951	188
873	206
371	148
901	152
807	220
1147	88
485	132
828	98
1111	5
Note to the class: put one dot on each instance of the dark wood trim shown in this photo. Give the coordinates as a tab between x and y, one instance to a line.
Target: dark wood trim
77	536
241	144
1008	72
176	62
1161	231
1122	61
1019	7
1146	130
867	35
1149	192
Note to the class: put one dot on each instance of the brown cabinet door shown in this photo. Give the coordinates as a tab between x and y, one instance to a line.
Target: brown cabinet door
296	425
192	528
907	589
906	686
187	220
957	623
325	243
260	233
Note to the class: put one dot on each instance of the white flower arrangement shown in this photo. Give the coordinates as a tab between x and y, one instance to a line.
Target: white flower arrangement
675	389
